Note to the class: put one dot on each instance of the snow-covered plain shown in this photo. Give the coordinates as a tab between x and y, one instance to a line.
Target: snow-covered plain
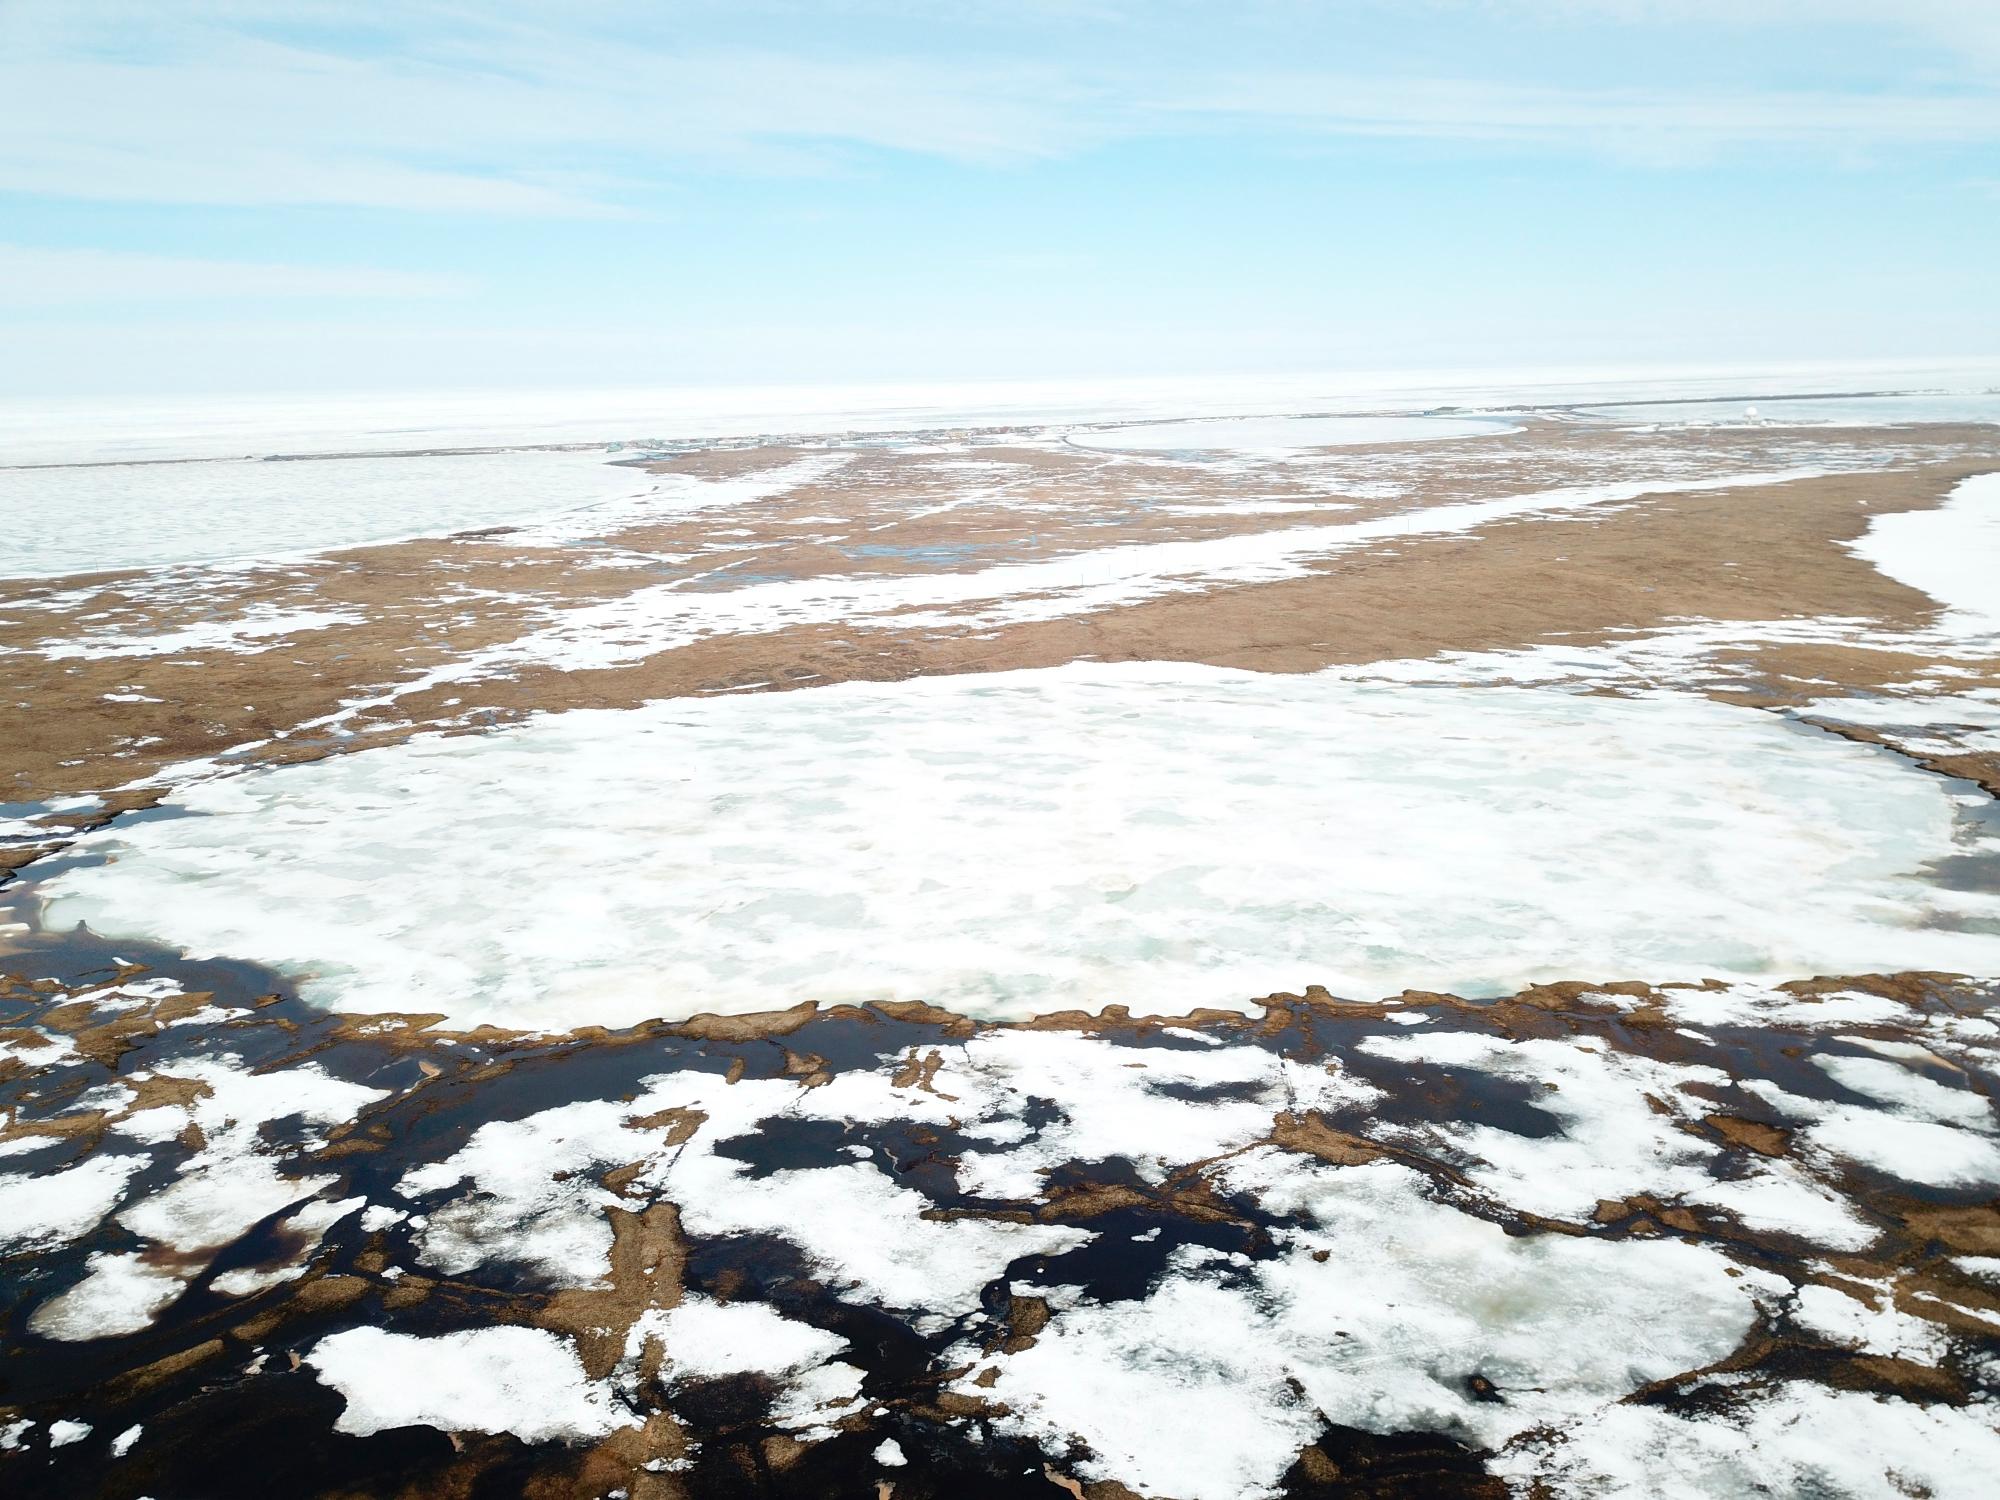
103	484
1160	836
1851	411
97	518
77	431
1286	434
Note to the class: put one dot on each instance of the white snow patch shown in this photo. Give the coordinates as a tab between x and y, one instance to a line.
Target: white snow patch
37	1048
526	1381
1207	1387
704	1339
1756	1005
535	1200
667	616
670	496
308	1224
1916	1150
1907	1091
121	1294
92	519
865	1232
1801	1439
1951	553
52	1208
260	627
1845	1317
1621	1120
1121	1102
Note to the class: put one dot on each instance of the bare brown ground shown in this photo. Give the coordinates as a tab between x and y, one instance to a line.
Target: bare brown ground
1760	553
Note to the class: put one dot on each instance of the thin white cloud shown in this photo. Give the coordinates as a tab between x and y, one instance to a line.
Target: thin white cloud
33	277
499	113
515	123
1621	120
1968	27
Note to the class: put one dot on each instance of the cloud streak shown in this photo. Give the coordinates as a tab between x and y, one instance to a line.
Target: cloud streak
1601	119
502	117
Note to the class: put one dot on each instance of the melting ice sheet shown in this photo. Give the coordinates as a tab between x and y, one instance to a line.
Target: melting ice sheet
92	518
1162	836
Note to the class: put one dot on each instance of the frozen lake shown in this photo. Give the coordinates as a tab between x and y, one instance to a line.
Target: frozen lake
95	518
1157	836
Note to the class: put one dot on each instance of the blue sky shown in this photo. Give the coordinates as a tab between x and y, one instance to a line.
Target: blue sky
254	195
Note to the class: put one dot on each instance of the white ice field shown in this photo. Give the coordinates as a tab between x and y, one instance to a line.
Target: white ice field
1159	836
98	517
104	485
1287	434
